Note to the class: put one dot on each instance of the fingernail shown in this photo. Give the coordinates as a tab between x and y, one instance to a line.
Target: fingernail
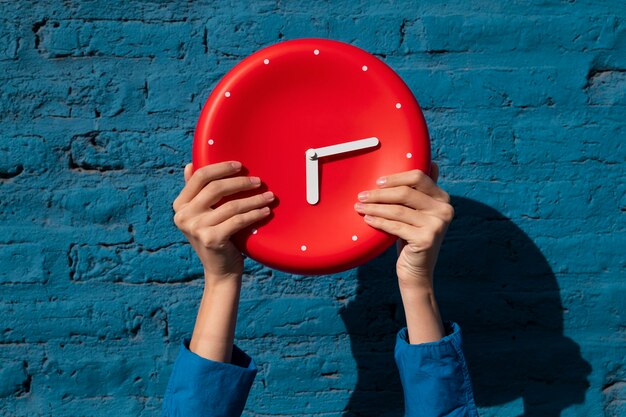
368	218
381	181
255	180
265	210
363	195
268	195
359	206
236	164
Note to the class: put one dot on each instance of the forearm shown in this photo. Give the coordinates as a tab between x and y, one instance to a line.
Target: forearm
422	314
214	331
211	376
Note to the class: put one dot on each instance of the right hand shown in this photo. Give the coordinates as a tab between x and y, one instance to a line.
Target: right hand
209	230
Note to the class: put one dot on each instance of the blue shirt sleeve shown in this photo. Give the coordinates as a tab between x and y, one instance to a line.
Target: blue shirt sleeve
434	376
202	387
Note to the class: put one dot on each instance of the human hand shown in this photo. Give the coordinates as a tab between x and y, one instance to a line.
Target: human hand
209	230
411	206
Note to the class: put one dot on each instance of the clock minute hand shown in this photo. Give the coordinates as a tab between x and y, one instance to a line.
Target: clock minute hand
354	145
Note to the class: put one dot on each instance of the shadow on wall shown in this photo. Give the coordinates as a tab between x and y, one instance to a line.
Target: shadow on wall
497	285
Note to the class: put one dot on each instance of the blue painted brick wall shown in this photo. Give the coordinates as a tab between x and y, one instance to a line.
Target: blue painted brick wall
526	102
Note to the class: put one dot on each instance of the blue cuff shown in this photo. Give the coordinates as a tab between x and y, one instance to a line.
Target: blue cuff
203	387
434	375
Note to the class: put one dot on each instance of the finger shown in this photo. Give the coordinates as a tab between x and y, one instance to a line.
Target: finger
417	239
234	224
399	229
202	177
213	192
434	172
391	212
233	208
403	195
416	179
187	172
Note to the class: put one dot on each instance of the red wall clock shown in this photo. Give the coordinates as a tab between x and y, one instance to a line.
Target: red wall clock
318	121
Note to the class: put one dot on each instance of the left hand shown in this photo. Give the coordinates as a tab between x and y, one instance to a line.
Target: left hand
411	206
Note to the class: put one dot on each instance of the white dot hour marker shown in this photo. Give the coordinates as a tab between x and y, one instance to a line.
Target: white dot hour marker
254	231
409	155
303	248
227	94
211	141
354	238
398	105
316	52
364	67
266	61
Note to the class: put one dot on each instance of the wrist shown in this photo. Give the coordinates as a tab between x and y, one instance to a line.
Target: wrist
415	284
419	296
214	281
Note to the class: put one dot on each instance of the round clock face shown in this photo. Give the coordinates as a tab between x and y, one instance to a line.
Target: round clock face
318	121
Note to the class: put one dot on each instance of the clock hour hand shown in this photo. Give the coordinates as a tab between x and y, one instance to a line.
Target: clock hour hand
312	168
312	180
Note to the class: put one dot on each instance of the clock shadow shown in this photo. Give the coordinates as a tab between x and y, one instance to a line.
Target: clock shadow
492	280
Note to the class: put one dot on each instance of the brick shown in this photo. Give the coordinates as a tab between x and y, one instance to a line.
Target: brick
376	34
105	151
241	34
101	204
503	32
160	95
129	39
8	40
14	379
607	88
538	86
305	26
288	316
24	155
27	261
134	264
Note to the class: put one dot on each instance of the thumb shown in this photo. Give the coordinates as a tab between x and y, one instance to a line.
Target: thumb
187	172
